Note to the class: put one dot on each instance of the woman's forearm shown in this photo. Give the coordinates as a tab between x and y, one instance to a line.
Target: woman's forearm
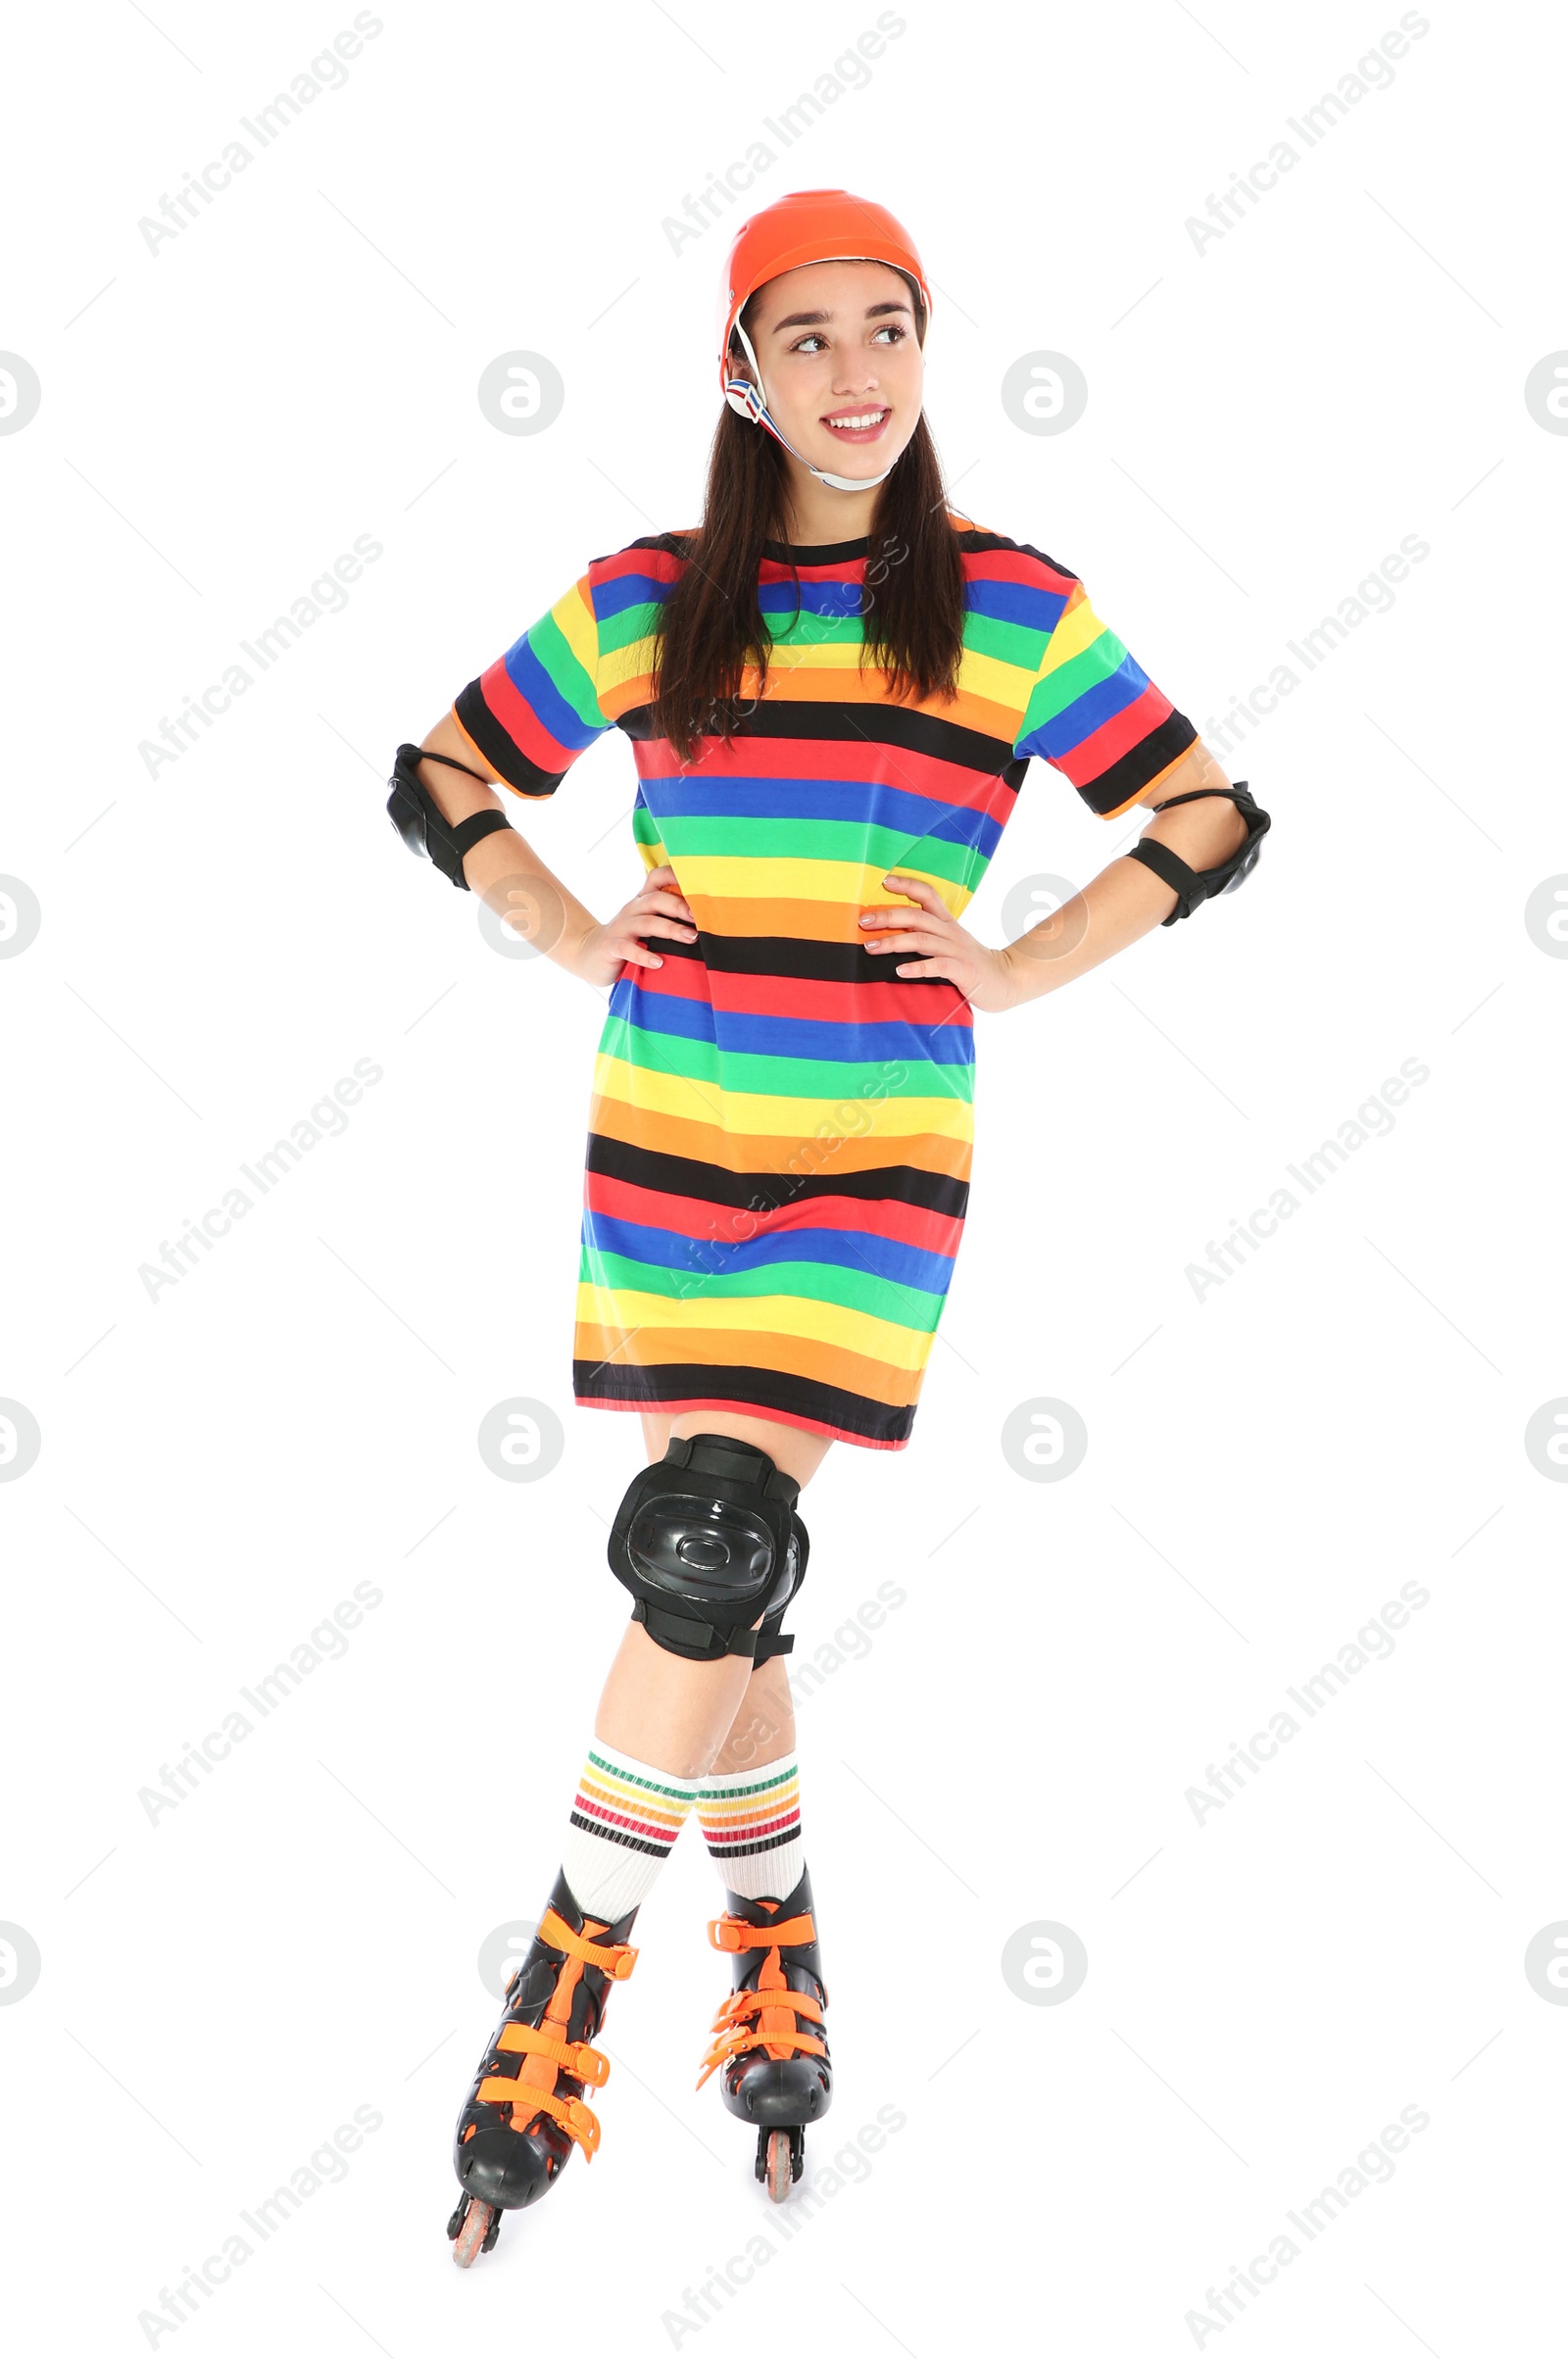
1124	902
503	869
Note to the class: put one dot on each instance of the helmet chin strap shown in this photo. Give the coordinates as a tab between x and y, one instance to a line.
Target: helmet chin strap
747	398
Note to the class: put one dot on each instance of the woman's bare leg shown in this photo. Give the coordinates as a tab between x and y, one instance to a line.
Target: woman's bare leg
690	1717
763	1727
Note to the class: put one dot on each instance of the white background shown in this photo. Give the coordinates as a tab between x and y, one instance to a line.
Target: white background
1267	419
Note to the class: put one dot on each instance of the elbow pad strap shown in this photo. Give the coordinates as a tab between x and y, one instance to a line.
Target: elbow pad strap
416	817
1194	885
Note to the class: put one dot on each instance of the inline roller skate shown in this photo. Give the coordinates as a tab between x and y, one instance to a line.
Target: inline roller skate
777	2076
527	2108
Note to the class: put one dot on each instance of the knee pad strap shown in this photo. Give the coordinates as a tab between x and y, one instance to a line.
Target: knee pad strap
706	1540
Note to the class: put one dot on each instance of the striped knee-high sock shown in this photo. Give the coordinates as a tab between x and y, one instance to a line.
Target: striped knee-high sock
625	1821
752	1821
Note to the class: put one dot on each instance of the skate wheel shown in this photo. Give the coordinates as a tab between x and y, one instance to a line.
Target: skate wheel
781	2158
473	2228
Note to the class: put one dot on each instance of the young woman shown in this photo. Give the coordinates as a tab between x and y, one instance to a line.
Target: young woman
832	687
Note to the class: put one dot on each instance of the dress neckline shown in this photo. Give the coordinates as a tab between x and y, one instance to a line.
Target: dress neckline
817	553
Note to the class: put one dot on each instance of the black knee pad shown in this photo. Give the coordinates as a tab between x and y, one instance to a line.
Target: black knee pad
706	1540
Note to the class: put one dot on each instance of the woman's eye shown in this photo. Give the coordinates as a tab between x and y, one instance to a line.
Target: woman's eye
815	335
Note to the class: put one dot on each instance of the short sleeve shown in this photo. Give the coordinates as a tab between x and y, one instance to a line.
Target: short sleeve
537	707
1095	713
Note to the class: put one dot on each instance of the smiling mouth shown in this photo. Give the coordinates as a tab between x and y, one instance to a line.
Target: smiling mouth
859	425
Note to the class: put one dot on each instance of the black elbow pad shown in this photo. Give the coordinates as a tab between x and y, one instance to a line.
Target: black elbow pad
1194	885
415	814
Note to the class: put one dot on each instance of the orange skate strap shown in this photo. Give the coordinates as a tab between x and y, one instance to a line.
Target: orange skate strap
744	2037
616	1960
578	2119
575	2056
733	1933
741	2005
769	2017
765	2019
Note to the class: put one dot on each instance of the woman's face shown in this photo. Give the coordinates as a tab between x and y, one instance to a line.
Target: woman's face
837	340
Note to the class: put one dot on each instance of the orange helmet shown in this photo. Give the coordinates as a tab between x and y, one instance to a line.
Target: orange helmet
810	224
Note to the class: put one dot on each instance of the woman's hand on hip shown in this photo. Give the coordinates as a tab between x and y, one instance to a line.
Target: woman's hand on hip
936	947
659	909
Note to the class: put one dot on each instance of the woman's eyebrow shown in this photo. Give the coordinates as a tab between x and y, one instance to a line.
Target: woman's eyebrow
873	311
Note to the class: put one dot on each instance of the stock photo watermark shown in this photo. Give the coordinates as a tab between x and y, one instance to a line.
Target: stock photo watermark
1373	71
328	594
1044	1963
20	1439
327	1119
521	1439
850	2166
1546	916
521	392
20	915
326	1642
1034	901
1373	1642
1545	1963
1545	392
503	1950
1374	2166
1044	1440
1373	595
328	2166
1044	392
852	1118
19	393
850	70
850	1643
1373	1118
21	1963
327	71
1547	1440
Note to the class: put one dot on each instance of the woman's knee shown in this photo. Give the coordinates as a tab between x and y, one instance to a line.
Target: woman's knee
799	1453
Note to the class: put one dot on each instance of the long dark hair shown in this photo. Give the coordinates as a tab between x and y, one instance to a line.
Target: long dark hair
710	625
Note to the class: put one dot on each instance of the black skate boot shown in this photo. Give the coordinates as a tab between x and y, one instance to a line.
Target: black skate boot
777	2076
515	2132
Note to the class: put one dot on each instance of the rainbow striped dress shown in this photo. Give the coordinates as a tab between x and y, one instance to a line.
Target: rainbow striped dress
781	1129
